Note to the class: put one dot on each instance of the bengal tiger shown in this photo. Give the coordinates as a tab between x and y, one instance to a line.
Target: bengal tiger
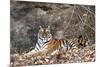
48	46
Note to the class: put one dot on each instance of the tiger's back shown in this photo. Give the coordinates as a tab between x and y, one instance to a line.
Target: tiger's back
54	45
78	42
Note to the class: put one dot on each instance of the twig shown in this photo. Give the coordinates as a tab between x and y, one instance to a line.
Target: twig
88	10
70	17
84	23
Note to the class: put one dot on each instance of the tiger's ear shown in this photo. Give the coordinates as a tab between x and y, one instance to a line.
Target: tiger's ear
40	27
48	27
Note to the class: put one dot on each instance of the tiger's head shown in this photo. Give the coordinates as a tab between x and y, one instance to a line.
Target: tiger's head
44	33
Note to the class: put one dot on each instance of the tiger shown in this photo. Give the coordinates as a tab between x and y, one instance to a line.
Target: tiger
47	46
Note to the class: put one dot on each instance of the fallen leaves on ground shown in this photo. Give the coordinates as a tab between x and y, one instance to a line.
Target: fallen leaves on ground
74	55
